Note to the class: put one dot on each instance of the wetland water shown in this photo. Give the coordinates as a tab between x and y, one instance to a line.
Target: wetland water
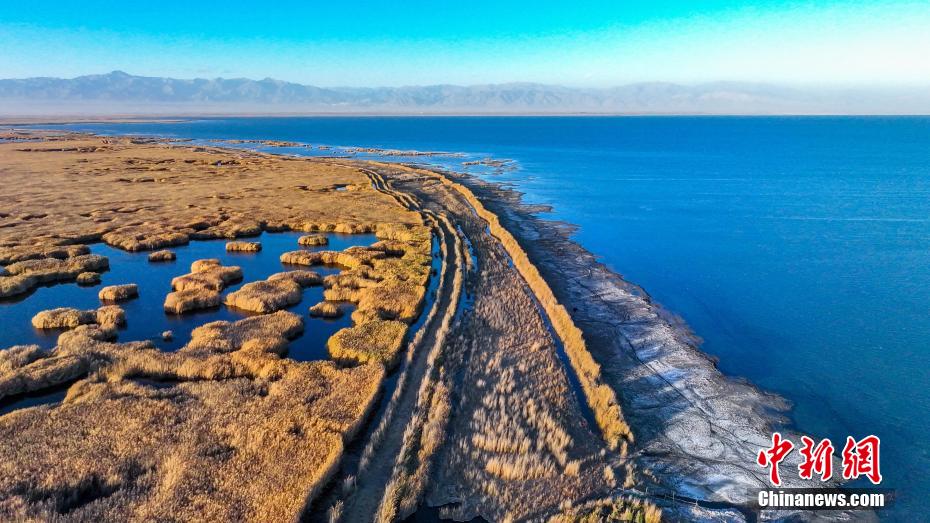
145	317
798	248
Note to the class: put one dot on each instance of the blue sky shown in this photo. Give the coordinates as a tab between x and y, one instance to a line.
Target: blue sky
419	42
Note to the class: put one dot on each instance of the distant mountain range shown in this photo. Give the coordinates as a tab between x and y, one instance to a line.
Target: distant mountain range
121	93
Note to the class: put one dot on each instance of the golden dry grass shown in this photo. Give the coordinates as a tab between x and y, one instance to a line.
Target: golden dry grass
34	252
211	431
326	309
179	302
241	246
386	280
376	340
609	510
23	276
265	296
313	240
110	315
18	356
88	278
207	275
221	430
63	318
144	194
117	293
69	318
300	277
162	256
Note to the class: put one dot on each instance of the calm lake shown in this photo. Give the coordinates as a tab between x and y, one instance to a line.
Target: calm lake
797	248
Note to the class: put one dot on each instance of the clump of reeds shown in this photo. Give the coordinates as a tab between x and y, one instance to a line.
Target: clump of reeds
145	237
88	278
179	302
312	240
207	274
265	296
20	253
117	293
200	420
24	275
242	246
617	509
300	277
69	318
162	256
326	309
377	340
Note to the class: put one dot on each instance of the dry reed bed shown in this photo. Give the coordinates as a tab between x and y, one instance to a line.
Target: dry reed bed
162	256
69	318
25	275
616	509
386	281
326	309
600	396
375	340
241	246
224	429
200	289
279	291
310	240
117	293
196	193
86	278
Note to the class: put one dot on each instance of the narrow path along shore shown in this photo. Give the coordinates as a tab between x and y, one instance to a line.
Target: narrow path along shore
363	492
507	388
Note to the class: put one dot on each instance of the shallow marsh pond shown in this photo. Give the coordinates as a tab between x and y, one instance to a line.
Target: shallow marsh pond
145	317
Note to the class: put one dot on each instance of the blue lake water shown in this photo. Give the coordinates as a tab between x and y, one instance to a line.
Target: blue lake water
797	248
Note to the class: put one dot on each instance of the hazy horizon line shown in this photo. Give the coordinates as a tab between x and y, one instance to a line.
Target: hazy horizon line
121	93
721	81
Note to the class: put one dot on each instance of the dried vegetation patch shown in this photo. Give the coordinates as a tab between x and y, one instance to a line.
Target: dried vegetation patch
240	246
626	509
224	429
69	318
200	289
162	256
23	276
386	281
326	309
313	240
119	292
376	340
265	296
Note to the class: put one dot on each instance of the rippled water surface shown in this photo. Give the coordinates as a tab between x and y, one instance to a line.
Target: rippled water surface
797	248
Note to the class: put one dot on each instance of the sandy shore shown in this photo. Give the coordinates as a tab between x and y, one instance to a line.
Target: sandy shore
539	384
